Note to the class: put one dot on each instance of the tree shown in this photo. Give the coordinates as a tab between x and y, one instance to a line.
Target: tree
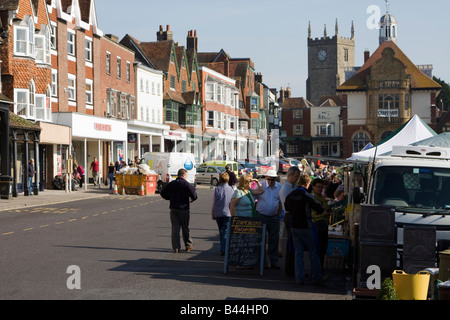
444	95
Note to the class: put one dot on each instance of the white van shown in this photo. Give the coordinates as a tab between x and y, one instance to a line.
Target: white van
167	164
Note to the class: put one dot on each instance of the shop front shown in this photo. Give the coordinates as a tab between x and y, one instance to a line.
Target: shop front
96	137
144	137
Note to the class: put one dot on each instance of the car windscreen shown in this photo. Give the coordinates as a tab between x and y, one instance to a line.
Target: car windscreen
417	187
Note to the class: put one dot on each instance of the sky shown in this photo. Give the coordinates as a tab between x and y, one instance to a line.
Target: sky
273	33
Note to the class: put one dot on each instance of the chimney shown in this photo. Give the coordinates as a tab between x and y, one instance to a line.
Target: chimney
366	55
282	95
192	40
164	35
258	78
288	93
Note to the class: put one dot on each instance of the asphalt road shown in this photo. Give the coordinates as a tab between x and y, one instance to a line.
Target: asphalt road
118	248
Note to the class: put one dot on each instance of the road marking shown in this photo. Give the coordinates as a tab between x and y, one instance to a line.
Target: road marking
60	222
28	229
44	226
84	218
7	233
72	220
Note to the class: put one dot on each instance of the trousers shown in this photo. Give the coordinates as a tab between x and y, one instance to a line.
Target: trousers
180	220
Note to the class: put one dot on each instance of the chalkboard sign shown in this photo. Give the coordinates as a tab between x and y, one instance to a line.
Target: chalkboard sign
245	243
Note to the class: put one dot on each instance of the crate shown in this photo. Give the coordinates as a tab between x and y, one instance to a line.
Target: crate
336	263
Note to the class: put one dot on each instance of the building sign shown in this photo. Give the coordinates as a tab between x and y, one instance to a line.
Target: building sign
102	127
132	138
388	113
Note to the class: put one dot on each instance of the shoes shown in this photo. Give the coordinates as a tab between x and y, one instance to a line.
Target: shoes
189	248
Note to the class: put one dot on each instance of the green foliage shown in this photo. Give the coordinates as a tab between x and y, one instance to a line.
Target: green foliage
444	95
387	291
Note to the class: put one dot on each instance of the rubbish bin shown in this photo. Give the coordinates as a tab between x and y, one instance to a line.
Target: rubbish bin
5	187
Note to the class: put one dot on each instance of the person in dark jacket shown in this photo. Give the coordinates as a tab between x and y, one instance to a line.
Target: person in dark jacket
180	193
299	204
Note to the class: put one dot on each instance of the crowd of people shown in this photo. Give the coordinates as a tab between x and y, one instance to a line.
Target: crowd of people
299	208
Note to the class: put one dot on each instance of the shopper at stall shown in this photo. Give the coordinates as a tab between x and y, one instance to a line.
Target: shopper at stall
221	208
299	203
320	219
95	168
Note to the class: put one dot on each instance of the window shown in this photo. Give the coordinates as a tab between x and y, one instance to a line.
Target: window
218	93
254	104
53	37
88	50
345	54
54	83
111	102
43	110
171	109
141	85
119	70
325	130
128	71
360	140
153	88
172	82
40	48
31	37
183	86
108	63
297	130
20	41
71	43
21	98
297	114
71	86
32	101
210	91
89	91
210	118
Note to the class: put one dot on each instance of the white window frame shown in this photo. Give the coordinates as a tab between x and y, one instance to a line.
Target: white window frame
119	67
71	41
210	91
72	87
31	37
54	83
23	42
20	108
209	116
88	49
89	91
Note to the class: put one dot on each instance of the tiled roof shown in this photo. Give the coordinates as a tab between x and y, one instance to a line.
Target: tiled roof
296	103
418	79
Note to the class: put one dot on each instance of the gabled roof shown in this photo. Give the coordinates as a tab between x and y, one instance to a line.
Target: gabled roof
418	79
297	103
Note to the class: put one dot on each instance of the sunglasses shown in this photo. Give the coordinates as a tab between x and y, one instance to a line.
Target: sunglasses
271	179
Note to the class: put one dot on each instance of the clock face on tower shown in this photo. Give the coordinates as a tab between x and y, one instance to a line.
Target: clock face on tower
322	55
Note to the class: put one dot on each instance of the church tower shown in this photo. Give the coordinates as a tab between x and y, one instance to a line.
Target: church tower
328	60
388	27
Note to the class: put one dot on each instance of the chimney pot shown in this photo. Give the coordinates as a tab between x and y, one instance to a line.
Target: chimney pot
168	27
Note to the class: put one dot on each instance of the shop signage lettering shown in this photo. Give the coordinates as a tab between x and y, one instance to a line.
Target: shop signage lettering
102	127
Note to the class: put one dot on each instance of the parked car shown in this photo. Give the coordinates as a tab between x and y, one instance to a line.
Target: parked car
249	168
294	162
283	166
222	163
265	166
209	174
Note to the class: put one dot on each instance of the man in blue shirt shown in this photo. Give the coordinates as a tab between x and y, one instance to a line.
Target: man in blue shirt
269	210
180	193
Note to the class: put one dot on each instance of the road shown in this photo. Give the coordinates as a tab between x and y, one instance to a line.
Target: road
118	247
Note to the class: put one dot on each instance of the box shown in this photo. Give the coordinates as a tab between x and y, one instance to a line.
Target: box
338	247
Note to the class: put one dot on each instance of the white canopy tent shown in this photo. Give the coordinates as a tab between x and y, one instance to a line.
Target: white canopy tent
412	131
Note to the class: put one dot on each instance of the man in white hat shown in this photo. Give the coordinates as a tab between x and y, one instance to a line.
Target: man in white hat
269	210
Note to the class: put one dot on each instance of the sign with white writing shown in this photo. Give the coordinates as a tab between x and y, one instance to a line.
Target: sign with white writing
245	243
388	113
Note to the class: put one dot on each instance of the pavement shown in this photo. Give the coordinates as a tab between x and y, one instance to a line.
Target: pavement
53	196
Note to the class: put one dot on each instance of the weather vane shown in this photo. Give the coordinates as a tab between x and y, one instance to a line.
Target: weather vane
387	6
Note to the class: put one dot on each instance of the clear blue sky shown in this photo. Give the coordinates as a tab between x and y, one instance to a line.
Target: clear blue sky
273	33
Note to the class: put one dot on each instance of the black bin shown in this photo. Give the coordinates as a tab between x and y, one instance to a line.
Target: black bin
5	187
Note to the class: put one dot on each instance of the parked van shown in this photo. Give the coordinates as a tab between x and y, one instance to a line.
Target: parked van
222	163
167	164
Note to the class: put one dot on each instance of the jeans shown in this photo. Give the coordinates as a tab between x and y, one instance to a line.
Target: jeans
304	239
111	180
273	236
30	185
180	220
222	224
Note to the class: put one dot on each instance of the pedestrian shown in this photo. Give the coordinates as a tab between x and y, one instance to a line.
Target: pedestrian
180	193
31	173
95	168
79	173
233	180
320	219
220	211
268	209
243	203
299	204
292	177
111	171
